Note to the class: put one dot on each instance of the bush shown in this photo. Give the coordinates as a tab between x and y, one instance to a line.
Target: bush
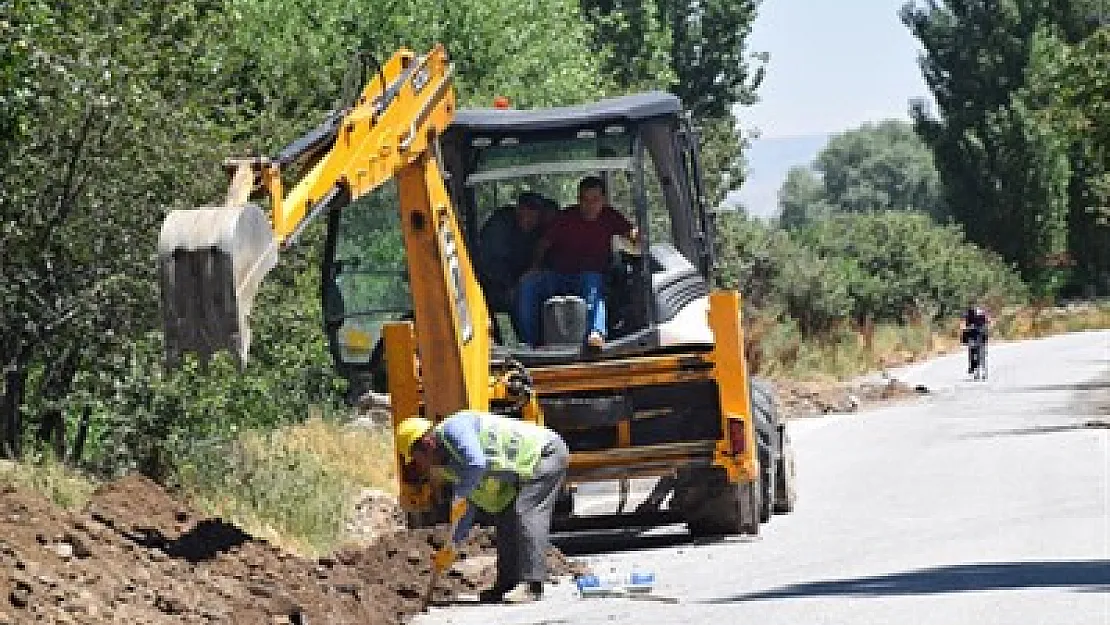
852	269
150	419
779	277
903	265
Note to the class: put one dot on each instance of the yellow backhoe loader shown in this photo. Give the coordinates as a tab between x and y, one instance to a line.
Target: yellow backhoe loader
406	181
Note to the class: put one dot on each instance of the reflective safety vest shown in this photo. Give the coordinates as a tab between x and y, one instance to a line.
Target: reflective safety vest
510	446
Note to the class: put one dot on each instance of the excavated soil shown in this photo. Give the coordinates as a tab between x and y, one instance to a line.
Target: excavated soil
808	399
136	555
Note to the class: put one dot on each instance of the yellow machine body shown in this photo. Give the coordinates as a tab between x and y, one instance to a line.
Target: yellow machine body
213	259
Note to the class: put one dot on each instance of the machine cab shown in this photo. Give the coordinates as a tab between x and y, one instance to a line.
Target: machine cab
640	145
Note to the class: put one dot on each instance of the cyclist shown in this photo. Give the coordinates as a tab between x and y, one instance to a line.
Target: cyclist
973	333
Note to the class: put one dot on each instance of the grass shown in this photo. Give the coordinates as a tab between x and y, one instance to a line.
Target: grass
66	487
296	486
1039	321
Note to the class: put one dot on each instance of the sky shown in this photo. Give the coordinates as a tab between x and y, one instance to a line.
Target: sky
833	66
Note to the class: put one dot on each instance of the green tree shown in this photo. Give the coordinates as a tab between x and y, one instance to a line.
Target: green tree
886	266
722	156
877	167
1070	89
632	42
802	198
126	113
713	71
883	166
713	67
1001	165
115	127
696	49
899	264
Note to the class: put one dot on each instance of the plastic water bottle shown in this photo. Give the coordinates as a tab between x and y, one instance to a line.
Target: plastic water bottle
641	580
615	584
597	585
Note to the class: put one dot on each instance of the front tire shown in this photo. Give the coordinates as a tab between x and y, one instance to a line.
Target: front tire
786	490
766	428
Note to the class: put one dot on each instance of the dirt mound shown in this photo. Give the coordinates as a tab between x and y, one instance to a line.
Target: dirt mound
801	399
137	555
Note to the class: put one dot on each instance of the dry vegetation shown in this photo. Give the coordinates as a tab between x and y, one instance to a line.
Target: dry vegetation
778	352
296	486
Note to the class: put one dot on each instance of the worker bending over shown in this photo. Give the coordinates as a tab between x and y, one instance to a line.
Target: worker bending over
509	468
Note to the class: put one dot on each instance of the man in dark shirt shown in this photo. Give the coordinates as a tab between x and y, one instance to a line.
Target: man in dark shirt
974	332
975	321
507	242
576	245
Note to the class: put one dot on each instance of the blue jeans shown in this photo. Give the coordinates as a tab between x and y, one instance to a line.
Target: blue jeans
537	287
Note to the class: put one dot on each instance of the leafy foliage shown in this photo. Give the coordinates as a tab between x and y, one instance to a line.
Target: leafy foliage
713	67
902	265
1006	170
883	166
631	41
852	268
696	49
877	167
1069	90
778	276
802	198
114	129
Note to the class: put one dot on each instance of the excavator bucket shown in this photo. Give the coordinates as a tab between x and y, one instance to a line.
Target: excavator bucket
211	262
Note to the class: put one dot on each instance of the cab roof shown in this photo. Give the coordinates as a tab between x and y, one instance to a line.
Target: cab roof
630	108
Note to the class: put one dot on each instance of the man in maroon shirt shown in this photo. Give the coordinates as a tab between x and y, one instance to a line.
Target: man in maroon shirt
576	246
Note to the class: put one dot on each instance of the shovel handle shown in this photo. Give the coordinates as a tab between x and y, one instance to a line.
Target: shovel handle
431	587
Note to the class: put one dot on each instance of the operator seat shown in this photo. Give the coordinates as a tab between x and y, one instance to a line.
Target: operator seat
564	319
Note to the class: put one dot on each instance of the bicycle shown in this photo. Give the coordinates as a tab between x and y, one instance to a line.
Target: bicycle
976	342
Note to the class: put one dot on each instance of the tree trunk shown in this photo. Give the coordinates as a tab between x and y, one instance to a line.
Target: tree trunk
55	387
52	431
11	424
79	437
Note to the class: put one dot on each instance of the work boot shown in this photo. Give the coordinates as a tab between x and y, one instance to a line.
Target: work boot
494	594
524	592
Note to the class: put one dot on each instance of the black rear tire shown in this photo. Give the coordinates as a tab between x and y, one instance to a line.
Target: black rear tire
714	507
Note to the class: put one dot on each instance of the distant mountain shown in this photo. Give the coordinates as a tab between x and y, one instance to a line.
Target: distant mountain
768	162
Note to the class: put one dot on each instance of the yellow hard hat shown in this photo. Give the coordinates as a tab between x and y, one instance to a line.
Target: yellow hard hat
408	432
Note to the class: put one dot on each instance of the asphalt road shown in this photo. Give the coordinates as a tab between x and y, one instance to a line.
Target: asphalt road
984	502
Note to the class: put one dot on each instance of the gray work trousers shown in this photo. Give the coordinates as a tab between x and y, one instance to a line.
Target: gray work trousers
524	527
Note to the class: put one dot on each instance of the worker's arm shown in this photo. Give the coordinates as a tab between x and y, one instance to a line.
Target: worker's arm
470	466
620	225
542	246
495	251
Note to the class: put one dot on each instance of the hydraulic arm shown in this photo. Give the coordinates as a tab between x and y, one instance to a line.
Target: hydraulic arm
212	260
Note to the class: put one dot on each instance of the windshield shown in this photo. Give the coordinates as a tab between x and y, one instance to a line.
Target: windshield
369	283
554	167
